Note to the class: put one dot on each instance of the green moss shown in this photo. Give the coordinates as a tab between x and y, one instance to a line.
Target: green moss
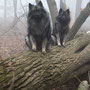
2	78
1	69
1	87
2	75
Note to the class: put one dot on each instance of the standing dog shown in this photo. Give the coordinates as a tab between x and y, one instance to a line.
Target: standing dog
61	27
39	29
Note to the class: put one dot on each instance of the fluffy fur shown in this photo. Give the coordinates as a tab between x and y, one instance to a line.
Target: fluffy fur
61	27
39	29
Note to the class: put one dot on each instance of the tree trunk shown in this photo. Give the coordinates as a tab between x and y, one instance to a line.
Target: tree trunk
37	1
78	8
34	71
5	10
15	8
63	5
79	21
53	9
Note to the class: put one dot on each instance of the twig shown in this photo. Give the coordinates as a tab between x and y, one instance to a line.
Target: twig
14	23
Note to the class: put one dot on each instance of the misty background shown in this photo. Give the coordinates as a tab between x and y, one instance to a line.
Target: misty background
8	10
13	22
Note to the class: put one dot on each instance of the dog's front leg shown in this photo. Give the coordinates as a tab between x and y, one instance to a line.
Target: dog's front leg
64	40
33	42
44	43
58	39
27	40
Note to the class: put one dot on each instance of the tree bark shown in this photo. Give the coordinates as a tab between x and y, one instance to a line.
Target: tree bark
34	71
79	21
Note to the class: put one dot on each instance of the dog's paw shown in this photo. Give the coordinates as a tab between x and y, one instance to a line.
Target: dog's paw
63	44
59	45
33	48
43	51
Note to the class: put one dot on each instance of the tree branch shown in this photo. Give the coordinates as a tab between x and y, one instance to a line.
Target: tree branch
79	21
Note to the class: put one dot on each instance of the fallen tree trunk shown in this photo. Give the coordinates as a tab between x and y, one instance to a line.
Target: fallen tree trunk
35	71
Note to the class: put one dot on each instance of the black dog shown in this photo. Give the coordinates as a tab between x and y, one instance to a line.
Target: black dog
61	27
39	29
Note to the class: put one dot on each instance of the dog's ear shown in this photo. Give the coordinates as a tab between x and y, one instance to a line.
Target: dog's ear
60	10
30	6
40	4
68	11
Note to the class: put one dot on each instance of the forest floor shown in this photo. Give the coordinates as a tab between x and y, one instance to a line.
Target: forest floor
12	41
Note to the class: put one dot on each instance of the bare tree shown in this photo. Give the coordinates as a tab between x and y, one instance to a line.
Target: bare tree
16	18
78	8
5	9
37	1
53	11
79	21
63	4
15	7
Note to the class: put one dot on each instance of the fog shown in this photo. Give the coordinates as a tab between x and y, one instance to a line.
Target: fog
71	4
13	29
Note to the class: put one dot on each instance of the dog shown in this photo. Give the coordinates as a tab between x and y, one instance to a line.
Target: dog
61	27
39	28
